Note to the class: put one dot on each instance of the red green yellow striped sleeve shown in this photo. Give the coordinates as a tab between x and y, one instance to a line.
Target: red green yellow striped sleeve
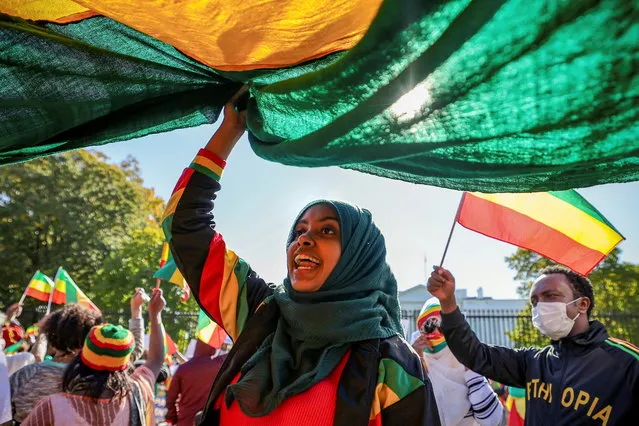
403	393
393	384
626	347
206	163
222	283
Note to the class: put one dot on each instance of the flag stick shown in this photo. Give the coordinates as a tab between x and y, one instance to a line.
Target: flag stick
51	298
55	279
452	228
24	293
157	283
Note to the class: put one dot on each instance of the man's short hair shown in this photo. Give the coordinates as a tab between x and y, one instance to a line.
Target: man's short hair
67	328
581	286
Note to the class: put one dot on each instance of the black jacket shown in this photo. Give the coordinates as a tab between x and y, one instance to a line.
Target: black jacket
587	379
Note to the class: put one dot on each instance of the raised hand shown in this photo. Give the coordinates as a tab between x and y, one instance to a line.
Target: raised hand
13	311
421	343
441	284
138	299
157	303
230	131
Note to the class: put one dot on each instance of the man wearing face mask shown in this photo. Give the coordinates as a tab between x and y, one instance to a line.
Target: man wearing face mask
584	377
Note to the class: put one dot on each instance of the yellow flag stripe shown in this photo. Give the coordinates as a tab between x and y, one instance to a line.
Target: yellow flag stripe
206	333
228	295
205	162
384	398
173	202
265	34
560	216
59	11
40	285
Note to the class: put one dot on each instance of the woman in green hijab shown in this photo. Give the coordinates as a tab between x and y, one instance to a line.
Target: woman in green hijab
323	348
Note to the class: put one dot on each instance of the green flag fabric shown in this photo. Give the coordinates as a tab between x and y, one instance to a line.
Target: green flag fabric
491	95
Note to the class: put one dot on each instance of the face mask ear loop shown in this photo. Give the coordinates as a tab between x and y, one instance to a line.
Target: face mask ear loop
578	313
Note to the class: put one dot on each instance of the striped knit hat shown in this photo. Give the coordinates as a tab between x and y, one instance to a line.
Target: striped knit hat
107	347
430	316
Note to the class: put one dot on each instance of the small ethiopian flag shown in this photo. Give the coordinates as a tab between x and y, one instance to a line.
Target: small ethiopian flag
39	287
209	332
560	225
169	272
170	347
67	291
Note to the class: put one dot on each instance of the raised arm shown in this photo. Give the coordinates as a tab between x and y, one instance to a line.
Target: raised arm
136	322
504	365
157	349
222	283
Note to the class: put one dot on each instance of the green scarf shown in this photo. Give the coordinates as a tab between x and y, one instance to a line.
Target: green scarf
357	302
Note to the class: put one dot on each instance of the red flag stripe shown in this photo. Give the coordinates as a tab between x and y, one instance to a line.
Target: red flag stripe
213	157
184	179
211	279
505	224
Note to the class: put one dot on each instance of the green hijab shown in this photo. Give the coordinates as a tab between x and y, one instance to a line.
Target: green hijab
357	302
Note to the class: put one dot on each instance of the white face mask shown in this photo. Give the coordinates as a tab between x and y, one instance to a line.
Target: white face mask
551	318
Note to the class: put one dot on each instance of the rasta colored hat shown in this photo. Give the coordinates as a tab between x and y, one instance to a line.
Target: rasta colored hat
428	323
431	308
107	347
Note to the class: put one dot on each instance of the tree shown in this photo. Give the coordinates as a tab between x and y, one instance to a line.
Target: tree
73	210
616	289
95	219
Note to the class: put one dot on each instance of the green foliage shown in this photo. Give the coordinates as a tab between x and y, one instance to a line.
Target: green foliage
70	210
616	289
95	219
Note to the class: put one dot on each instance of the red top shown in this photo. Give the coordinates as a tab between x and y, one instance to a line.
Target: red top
190	389
314	407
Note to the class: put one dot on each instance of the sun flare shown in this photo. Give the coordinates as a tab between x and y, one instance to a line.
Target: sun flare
411	103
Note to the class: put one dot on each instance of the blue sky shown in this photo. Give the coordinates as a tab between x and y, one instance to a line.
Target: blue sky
259	200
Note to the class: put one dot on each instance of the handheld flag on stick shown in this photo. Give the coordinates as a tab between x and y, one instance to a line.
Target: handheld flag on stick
163	258
560	225
39	287
32	330
67	291
209	332
169	272
170	347
516	405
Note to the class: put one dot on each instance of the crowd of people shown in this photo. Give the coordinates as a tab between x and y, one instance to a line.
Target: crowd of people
326	346
80	370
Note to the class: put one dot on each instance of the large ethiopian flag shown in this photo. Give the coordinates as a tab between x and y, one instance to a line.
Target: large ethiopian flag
560	225
490	96
67	291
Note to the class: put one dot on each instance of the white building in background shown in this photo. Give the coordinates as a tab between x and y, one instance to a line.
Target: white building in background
490	318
